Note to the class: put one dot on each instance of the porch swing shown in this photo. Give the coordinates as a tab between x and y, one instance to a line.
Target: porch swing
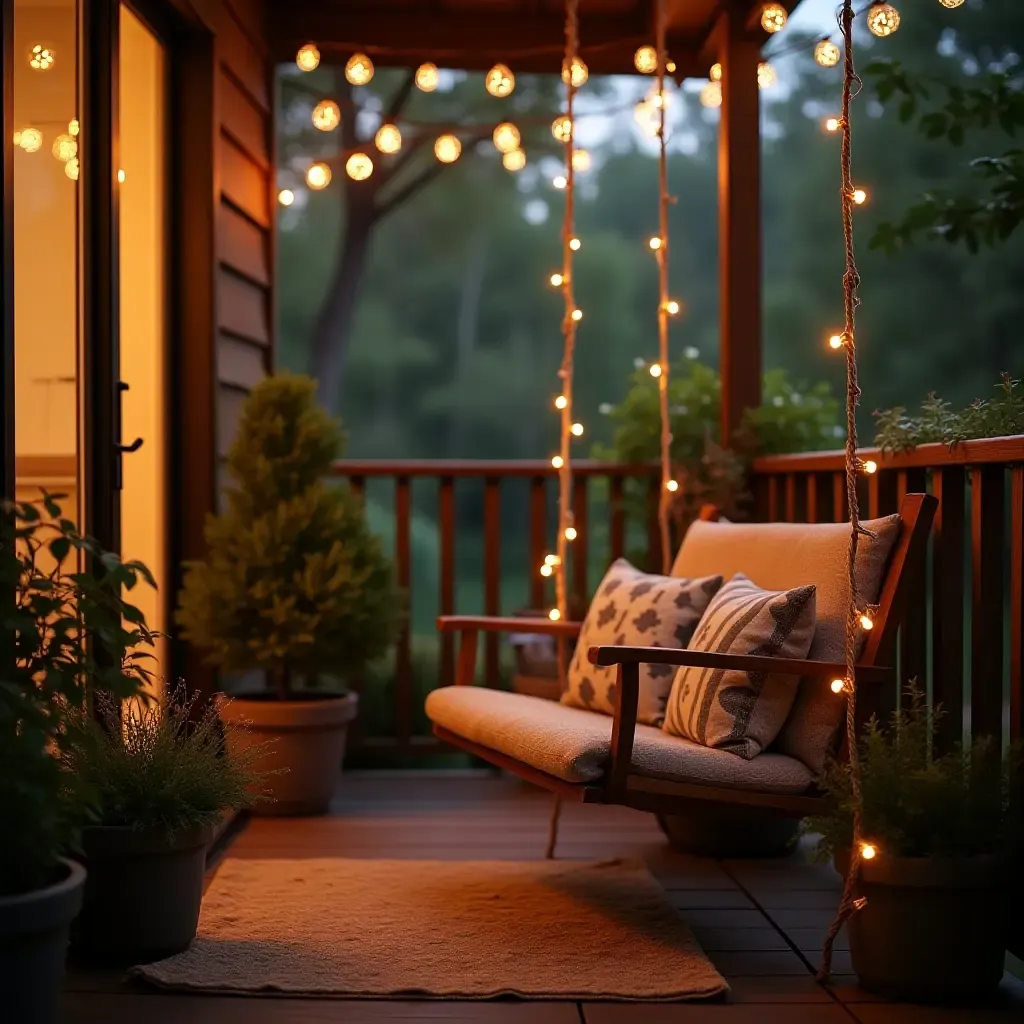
856	577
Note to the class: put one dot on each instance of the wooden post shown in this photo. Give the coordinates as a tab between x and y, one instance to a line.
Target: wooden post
739	218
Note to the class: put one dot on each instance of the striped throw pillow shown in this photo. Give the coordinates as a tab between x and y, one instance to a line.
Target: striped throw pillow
742	712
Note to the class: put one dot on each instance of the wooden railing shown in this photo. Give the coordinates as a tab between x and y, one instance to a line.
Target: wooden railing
963	635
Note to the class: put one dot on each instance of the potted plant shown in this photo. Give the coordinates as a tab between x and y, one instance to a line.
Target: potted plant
162	780
295	585
66	632
943	832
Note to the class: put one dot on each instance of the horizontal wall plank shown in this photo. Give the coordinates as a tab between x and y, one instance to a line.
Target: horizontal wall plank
242	246
242	59
240	364
244	183
229	412
242	308
244	120
251	16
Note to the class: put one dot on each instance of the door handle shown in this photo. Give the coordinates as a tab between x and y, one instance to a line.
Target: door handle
122	386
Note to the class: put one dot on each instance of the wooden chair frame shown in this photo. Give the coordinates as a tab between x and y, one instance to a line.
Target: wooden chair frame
620	785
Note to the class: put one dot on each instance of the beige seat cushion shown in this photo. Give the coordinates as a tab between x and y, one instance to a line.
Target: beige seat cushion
635	609
575	745
781	556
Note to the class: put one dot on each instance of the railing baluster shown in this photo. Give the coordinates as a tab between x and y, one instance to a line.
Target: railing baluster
653	528
357	484
840	512
987	552
538	539
403	651
774	513
446	522
914	631
617	511
1016	602
492	573
580	546
812	497
791	497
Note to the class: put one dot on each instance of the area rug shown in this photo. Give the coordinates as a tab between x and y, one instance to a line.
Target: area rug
440	929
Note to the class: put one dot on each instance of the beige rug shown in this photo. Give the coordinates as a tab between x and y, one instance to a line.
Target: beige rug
440	929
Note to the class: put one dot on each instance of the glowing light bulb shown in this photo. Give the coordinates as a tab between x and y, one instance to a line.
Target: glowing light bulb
561	402
561	128
645	60
883	20
672	307
838	685
359	69
64	148
427	77
837	341
655	242
715	73
560	181
447	149
773	18
766	76
866	622
581	160
546	570
556	280
308	58
670	66
859	196
74	127
286	197
671	485
870	466
557	461
951	3
71	168
552	560
500	81
577	315
31	140
711	95
575	244
318	176
827	54
120	177
575	73
833	124
506	137
326	115
570	533
40	58
388	138
514	161
554	615
577	429
359	166
867	851
655	369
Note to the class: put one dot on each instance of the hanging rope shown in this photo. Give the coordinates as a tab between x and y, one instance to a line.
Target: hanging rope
850	902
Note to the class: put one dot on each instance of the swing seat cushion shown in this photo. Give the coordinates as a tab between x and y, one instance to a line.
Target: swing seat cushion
575	745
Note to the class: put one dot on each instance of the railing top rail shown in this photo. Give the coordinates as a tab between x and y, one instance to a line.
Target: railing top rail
486	468
925	456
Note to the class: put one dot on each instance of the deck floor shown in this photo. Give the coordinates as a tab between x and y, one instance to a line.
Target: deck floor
760	922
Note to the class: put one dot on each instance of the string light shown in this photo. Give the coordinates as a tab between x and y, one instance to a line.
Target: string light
577	429
557	461
500	81
575	72
766	76
74	127
577	315
672	307
838	685
870	466
711	95
554	615
561	402
951	3
447	149
359	166
575	244
867	851
556	280
883	20
121	176
570	533
581	161
326	115
859	196
827	54
560	181
645	60
40	58
71	168
837	341
671	485
64	148
318	176
514	161
286	197
655	242
388	138
833	124
866	621
427	77
31	140
773	18
561	128
715	73
506	137
359	69
655	369
308	58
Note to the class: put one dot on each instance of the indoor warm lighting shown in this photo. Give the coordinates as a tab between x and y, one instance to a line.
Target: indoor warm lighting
575	73
870	466
672	307
773	17
866	622
570	533
860	197
359	69
40	58
427	77
74	127
671	485
64	148
318	176
506	137
827	54
71	168
286	197
581	161
833	124
447	149
388	138
359	166
645	60
554	615
308	58
577	429
655	242
883	19
577	315
120	177
326	115
514	161
500	81
561	128
715	74
575	244
711	95
556	280
31	139
557	461
766	76
655	369
838	685
867	851
561	402
836	341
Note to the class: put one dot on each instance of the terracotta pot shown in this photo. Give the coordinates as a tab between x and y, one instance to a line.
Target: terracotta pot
932	930
306	747
33	946
143	894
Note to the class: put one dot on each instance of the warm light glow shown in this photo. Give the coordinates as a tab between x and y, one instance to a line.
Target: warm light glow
326	115
860	197
671	485
655	369
827	54
388	138
577	429
554	615
773	17
833	124
647	117
715	74
655	242
74	127
318	176
838	685
546	570
71	168
514	161
577	315
867	851
711	95
359	166
506	137
359	69
951	3
120	177
575	73
560	181
427	77
836	341
286	197
64	148
552	560
570	533
556	280
40	58
766	76
308	58
581	161
561	402
447	149
672	307
883	19
574	244
670	66
557	461
645	60
870	466
500	81
561	128
31	139
866	622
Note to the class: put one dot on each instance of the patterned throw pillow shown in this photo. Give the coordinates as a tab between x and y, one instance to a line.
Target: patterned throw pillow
743	712
634	609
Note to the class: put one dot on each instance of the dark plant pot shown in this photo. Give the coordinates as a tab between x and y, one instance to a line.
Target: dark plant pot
931	931
306	748
143	894
33	946
704	829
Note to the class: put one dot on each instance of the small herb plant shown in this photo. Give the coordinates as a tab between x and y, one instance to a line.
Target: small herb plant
964	803
160	766
939	422
67	633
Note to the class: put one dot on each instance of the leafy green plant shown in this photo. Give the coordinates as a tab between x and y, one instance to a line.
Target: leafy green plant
294	582
160	766
67	633
964	803
939	422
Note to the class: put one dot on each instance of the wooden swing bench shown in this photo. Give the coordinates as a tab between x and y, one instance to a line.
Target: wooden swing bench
596	758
